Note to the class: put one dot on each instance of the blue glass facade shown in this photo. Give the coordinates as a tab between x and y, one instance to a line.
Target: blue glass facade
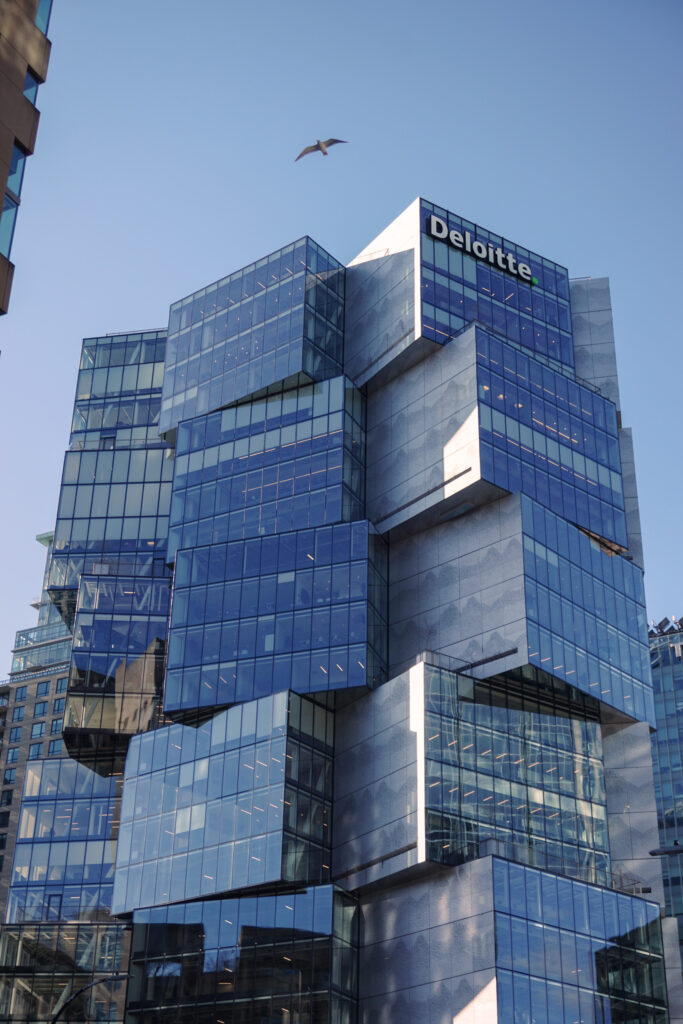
241	801
457	288
295	459
229	601
570	951
116	483
666	653
260	958
66	844
586	613
304	611
550	437
281	318
518	766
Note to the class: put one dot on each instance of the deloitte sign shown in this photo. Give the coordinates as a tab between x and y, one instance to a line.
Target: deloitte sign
438	228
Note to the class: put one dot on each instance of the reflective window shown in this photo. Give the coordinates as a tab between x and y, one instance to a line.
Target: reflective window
291	461
278	318
42	19
550	437
285	957
569	951
457	288
16	171
302	610
7	221
31	84
517	762
241	801
586	613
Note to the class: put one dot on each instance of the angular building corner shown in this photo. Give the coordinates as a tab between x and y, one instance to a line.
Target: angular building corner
359	703
24	56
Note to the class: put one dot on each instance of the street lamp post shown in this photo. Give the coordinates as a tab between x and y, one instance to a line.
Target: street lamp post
91	984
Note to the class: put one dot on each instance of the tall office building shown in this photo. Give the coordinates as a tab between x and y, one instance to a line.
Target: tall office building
24	55
35	709
360	679
666	653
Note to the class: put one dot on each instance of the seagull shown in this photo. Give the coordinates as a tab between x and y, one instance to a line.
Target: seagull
319	147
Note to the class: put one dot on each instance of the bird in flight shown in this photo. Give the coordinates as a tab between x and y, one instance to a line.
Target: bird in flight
319	147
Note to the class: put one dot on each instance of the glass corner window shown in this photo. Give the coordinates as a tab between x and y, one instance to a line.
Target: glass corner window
43	15
31	84
7	219
16	170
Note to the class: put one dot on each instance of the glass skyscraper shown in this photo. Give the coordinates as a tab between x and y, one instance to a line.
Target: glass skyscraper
666	652
349	558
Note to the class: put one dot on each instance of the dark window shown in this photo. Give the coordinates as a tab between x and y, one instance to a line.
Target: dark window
19	694
10	775
43	15
3	840
31	84
34	751
6	798
43	688
54	906
16	171
7	219
4	819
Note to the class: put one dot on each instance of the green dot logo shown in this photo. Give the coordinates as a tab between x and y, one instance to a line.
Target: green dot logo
534	280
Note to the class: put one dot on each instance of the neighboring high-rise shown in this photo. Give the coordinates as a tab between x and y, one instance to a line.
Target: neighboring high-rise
666	654
359	700
24	55
36	698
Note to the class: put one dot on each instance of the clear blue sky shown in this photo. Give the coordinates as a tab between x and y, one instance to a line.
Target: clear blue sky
165	159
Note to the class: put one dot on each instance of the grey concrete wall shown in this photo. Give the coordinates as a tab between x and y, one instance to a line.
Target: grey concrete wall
458	589
375	786
428	950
